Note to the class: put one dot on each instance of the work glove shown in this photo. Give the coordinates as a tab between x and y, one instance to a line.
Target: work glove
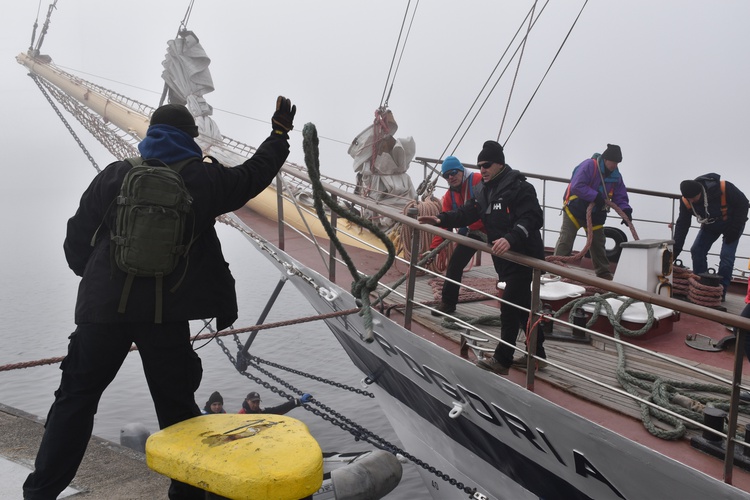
283	118
305	398
599	200
731	236
629	215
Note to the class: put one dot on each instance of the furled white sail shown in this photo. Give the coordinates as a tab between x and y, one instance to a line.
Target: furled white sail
188	78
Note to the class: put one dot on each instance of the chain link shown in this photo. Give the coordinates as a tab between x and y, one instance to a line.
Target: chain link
65	122
329	414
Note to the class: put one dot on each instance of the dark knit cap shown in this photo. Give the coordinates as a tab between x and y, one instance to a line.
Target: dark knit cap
215	398
612	153
491	151
177	116
689	189
253	396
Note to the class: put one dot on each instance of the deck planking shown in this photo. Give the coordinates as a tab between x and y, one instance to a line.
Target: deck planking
597	360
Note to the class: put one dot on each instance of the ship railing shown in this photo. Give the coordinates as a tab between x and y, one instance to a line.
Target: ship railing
550	190
478	334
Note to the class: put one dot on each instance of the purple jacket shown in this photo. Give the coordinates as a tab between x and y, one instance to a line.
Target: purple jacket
586	183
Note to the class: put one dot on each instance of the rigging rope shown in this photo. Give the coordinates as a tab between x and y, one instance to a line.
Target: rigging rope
204	336
544	77
479	94
65	122
660	391
518	68
563	260
362	285
184	22
38	47
384	99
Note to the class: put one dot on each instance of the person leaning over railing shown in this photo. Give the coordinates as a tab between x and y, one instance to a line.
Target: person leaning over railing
460	190
507	204
721	210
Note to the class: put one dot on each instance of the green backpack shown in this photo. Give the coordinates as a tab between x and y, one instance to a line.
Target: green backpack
152	212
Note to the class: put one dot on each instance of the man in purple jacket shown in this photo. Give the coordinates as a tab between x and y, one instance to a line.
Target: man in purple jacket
595	180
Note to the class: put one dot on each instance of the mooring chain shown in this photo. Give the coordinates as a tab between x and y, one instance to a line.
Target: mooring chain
334	417
249	358
313	377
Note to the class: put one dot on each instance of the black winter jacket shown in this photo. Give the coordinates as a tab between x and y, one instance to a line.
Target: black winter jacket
207	290
509	208
736	211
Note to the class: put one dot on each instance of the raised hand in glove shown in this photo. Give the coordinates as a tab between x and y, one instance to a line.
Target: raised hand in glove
283	119
629	216
305	398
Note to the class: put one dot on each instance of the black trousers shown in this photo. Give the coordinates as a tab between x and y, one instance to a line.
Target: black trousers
517	291
459	259
95	353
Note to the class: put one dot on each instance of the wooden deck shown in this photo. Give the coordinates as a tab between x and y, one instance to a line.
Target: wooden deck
594	361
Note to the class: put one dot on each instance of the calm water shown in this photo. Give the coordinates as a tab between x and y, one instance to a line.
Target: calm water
37	298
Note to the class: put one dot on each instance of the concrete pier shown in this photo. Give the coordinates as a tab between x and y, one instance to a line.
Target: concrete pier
108	471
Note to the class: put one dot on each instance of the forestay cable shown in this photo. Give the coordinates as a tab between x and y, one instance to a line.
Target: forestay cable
388	82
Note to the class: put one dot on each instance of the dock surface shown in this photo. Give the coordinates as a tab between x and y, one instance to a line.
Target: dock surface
108	471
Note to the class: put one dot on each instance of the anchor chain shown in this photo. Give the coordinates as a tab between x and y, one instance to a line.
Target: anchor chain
335	418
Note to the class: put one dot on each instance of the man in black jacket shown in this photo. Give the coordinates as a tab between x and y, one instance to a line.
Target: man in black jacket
103	335
508	206
721	209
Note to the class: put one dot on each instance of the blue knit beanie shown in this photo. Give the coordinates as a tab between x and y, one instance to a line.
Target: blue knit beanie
451	163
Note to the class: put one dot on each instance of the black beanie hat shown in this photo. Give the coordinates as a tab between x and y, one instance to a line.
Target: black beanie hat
491	151
612	153
689	189
177	116
215	398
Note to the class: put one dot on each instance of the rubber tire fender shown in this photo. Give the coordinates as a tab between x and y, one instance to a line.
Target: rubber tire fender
617	236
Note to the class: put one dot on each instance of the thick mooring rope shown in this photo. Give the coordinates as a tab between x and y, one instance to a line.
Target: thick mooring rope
204	336
362	286
663	392
439	261
566	259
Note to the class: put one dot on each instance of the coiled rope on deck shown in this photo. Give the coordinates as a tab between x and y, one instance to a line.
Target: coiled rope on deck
439	262
688	284
664	393
362	285
680	280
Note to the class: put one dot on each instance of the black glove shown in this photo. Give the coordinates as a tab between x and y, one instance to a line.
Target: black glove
283	118
599	200
629	215
731	236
